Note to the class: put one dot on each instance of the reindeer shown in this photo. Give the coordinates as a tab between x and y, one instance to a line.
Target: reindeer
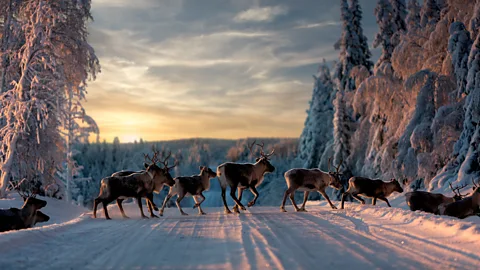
376	189
40	217
243	176
149	196
464	208
16	219
308	180
190	185
430	202
136	185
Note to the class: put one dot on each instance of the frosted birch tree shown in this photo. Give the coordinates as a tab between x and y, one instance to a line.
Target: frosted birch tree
413	16
475	21
430	13
54	55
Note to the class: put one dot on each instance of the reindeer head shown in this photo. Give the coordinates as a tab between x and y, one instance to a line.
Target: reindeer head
397	186
335	175
457	196
204	170
28	194
264	158
160	176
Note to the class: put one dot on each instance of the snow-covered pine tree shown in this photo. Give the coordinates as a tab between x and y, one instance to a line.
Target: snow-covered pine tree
386	25
430	13
475	21
318	125
399	15
413	16
53	55
467	147
364	55
341	131
459	46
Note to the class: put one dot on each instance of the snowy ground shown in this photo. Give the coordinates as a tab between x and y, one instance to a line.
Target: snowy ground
361	237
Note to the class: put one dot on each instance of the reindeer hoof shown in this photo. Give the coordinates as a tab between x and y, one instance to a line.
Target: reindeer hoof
195	206
236	211
302	210
334	207
154	216
184	214
250	204
108	218
126	217
227	212
243	208
202	213
282	209
155	208
145	217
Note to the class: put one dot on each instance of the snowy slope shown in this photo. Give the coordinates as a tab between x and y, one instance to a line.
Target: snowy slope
363	237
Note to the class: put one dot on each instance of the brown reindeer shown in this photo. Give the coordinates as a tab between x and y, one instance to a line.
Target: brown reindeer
429	202
193	186
242	176
136	185
376	189
148	196
309	180
466	207
40	217
16	219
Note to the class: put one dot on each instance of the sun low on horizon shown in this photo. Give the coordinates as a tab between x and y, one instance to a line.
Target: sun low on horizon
229	69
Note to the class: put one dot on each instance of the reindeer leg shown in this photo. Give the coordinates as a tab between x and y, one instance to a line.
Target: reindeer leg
385	200
105	210
374	201
362	201
240	194
285	195
179	199
200	211
150	201
139	202
255	193
234	197
292	199
150	207
95	204
343	198
327	198
119	203
305	198
165	203
227	211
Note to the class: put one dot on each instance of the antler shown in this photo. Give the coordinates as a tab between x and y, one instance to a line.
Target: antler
456	190
154	159
250	147
165	161
263	153
27	190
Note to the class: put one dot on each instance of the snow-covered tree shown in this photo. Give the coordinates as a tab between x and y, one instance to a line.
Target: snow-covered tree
318	125
475	21
364	54
413	16
459	46
386	25
430	13
54	55
399	15
341	130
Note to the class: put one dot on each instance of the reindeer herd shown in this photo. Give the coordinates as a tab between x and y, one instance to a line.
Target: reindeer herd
240	176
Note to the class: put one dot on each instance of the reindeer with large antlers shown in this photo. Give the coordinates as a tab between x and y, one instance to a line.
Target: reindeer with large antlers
430	202
242	176
466	207
308	180
136	185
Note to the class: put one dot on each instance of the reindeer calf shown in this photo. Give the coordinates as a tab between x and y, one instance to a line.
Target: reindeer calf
376	189
190	186
16	219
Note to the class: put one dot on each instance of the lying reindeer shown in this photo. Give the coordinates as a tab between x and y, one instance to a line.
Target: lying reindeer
243	176
308	180
429	202
148	196
464	208
190	186
16	219
135	185
376	189
40	217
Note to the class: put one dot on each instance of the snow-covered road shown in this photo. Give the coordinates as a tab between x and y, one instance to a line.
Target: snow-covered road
263	238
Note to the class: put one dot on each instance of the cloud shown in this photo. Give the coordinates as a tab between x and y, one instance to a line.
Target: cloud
318	25
260	14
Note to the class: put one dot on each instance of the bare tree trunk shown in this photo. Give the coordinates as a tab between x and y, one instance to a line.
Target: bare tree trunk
7	166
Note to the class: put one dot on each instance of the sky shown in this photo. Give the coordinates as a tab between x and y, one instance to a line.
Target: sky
176	69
